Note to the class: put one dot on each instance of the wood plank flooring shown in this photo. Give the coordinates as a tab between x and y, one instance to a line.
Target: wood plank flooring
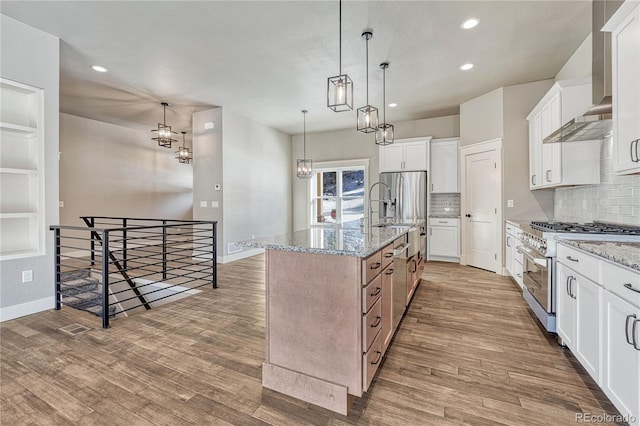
468	352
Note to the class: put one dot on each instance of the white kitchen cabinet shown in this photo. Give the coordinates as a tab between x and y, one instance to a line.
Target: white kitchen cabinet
578	310
561	164
444	239
625	54
513	258
510	248
444	173
21	171
405	155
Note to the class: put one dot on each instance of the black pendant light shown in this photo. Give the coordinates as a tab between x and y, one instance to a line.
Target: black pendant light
367	115
384	134
340	87
304	166
164	132
183	154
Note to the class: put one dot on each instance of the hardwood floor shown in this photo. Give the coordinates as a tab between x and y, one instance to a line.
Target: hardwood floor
467	352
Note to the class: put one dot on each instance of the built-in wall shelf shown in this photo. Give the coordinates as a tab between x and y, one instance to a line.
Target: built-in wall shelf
22	230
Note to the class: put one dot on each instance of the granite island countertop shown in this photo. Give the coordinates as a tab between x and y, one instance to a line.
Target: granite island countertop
625	253
332	240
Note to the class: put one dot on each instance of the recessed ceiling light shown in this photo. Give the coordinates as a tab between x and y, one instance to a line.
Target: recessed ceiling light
99	68
469	23
466	67
392	105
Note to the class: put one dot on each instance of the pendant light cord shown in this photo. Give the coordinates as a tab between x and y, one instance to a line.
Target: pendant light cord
340	42
164	115
304	136
384	99
367	71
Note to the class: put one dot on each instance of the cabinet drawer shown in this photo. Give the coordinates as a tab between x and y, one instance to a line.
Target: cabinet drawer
371	361
387	255
371	325
443	221
622	282
581	262
371	293
510	229
371	266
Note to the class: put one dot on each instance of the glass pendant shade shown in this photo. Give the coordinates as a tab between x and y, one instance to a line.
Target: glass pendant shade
367	115
304	167
340	87
340	93
183	154
384	133
163	132
368	119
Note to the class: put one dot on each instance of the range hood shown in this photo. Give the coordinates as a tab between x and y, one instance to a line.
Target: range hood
596	123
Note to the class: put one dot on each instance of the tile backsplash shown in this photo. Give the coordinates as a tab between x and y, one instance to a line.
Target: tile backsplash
615	200
445	204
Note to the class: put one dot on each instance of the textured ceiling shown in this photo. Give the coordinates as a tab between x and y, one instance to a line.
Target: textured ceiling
268	60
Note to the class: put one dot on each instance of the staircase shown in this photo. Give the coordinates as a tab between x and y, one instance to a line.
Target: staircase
78	289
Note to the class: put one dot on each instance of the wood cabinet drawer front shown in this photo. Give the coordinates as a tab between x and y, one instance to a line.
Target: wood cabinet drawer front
581	262
371	325
439	221
622	282
371	293
387	256
371	361
371	266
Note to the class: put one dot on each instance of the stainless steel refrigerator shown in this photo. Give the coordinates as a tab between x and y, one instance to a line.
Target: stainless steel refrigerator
408	194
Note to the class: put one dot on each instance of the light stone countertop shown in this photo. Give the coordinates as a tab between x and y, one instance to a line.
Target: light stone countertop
332	240
624	253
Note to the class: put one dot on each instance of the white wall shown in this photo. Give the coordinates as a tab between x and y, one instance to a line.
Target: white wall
110	170
481	118
32	57
352	145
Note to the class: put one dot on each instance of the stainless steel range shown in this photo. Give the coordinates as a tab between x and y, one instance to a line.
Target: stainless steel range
539	259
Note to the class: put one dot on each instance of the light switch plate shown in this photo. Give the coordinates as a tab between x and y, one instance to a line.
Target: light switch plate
60	203
209	125
27	276
215	204
203	204
509	203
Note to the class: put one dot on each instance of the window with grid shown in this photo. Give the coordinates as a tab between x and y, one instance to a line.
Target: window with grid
337	194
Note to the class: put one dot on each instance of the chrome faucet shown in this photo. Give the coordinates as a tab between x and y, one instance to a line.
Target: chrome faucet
385	201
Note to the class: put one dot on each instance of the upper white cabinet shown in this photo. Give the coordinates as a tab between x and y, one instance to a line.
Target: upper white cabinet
21	171
444	166
405	155
561	164
625	42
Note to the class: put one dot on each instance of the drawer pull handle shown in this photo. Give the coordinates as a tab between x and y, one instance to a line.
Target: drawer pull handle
572	259
377	323
626	328
442	221
377	359
388	255
389	271
630	287
375	266
519	275
377	292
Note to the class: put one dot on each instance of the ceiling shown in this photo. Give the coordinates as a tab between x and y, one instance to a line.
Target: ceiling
268	60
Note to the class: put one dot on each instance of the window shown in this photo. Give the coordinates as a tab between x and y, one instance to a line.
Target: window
338	192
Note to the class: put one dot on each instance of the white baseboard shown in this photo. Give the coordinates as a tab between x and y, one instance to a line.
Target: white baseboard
240	255
16	311
445	259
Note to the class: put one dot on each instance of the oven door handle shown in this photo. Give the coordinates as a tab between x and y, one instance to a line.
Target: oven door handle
541	261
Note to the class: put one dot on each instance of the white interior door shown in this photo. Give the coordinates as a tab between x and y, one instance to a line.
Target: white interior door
481	199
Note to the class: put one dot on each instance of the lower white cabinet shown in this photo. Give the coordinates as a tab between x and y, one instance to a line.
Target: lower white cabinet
565	306
444	239
513	258
621	358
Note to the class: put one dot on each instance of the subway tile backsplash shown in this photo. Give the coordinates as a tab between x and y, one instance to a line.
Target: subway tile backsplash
615	200
445	204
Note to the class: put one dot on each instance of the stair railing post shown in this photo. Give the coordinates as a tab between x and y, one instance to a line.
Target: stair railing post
124	243
57	268
164	249
92	224
214	260
105	279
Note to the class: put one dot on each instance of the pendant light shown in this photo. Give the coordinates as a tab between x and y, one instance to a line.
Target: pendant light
340	87
183	154
384	134
164	132
367	115
305	167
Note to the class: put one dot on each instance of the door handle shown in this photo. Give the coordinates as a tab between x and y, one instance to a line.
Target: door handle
626	328
633	335
571	286
467	215
637	143
546	175
634	151
567	285
533	179
508	239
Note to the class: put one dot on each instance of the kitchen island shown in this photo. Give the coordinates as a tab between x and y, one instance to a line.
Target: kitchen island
331	309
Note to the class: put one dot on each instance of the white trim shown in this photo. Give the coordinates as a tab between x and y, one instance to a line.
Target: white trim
356	162
16	311
241	255
620	15
418	139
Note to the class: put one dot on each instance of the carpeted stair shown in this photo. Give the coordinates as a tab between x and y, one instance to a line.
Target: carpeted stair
81	291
